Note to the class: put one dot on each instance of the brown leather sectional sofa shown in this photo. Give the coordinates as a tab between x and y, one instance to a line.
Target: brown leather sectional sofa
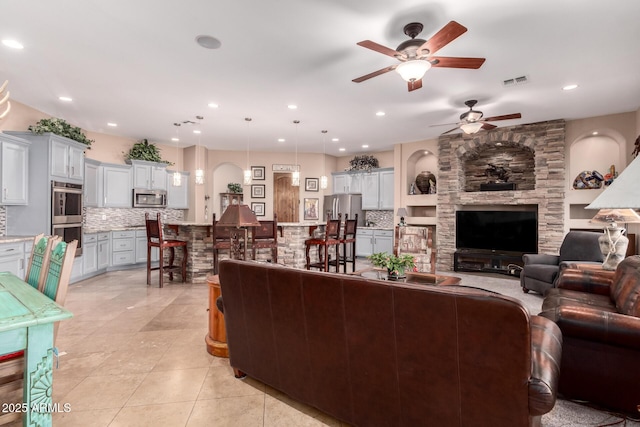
377	353
599	315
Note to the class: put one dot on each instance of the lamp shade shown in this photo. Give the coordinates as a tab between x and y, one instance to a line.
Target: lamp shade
470	128
238	216
624	192
614	216
413	70
402	212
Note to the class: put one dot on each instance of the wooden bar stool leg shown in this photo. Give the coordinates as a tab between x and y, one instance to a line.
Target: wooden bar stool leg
185	254
306	253
161	266
148	265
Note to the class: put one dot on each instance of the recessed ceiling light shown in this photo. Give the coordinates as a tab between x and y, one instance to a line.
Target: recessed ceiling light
65	98
175	139
570	87
208	42
427	152
335	139
365	146
342	149
594	133
197	131
213	105
13	44
380	113
292	107
281	140
113	125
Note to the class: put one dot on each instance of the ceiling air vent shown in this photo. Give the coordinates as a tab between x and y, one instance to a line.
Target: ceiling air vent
515	81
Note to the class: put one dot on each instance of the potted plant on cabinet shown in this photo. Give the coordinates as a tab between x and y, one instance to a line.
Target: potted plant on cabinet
143	150
61	128
396	265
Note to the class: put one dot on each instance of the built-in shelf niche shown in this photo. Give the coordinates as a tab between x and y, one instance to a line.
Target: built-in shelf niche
419	161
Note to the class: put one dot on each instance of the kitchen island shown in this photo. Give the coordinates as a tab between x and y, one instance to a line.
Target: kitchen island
291	247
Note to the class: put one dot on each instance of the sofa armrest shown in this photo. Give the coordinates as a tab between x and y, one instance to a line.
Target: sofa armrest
541	259
592	324
546	354
593	282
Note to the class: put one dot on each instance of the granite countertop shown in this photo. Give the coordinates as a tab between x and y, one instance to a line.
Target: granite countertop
376	227
89	230
191	223
301	224
15	239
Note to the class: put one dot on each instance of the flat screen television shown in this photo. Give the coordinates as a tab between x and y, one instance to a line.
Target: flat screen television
500	231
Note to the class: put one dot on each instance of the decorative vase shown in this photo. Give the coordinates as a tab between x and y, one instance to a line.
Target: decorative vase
396	275
424	181
613	244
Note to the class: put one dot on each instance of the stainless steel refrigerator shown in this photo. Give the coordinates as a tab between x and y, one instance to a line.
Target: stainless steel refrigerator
344	204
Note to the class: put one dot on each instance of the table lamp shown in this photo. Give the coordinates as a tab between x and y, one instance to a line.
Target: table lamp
238	218
402	212
622	197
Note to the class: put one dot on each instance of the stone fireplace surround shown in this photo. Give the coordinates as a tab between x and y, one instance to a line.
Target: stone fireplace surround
547	142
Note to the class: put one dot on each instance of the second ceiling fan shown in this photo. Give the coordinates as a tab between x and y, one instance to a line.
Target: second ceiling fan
416	55
472	121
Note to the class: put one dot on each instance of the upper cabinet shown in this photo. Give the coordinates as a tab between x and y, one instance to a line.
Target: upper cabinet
177	196
116	187
67	160
377	190
149	175
347	182
92	181
15	170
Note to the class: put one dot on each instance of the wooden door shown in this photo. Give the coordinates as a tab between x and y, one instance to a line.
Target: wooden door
286	198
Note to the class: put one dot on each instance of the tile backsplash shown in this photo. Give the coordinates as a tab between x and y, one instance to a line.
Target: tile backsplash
3	221
124	217
380	218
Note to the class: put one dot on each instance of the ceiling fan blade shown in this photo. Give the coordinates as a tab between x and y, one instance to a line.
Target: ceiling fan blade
446	35
374	74
488	126
381	49
417	84
450	130
444	124
505	117
454	62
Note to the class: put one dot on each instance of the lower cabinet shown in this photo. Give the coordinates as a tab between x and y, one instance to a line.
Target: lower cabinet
12	258
370	241
141	248
90	254
123	245
104	251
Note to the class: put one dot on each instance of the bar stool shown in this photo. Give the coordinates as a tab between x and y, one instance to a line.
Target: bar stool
349	238
266	237
155	240
331	238
221	240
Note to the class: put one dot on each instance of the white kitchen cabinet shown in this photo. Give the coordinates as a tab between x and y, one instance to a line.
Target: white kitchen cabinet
377	190
92	180
347	182
104	251
12	258
141	248
14	175
67	160
90	254
123	245
77	270
117	186
178	196
149	175
370	241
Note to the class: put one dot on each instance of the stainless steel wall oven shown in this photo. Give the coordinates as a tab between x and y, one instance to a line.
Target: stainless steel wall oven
66	212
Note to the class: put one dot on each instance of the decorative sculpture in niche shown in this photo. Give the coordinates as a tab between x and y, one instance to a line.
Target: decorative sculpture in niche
588	180
497	174
426	182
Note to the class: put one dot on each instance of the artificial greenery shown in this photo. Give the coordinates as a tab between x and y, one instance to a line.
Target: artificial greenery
394	264
363	162
234	187
143	150
61	128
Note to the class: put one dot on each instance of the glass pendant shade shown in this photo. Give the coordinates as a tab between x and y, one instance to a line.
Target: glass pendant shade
199	176
470	128
324	181
295	179
413	70
247	177
177	179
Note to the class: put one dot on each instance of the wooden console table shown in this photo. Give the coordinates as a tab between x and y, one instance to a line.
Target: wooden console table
216	339
26	323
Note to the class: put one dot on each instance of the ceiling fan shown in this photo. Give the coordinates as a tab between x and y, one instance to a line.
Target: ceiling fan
416	55
471	121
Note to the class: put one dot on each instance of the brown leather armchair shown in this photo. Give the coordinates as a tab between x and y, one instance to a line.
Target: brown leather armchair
599	316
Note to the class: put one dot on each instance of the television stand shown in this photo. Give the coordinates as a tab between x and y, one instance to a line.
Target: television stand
487	261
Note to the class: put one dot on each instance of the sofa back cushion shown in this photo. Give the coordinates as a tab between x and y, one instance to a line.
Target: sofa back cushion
625	289
380	353
581	246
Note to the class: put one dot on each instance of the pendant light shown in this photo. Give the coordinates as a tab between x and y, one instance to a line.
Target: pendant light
177	176
323	179
247	171
199	171
295	177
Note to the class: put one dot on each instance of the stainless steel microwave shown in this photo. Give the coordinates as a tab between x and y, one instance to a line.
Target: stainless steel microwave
143	198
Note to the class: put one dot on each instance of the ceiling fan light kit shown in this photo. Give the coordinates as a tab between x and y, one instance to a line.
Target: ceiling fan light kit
413	70
473	121
471	128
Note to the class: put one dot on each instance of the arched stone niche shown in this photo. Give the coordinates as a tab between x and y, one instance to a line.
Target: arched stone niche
517	159
421	160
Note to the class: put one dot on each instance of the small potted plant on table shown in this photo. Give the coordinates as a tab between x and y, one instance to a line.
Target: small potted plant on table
395	265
